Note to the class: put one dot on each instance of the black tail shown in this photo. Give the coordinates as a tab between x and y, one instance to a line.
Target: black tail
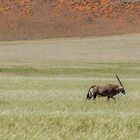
88	96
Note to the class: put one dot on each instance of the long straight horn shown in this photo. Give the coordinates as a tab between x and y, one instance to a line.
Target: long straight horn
119	81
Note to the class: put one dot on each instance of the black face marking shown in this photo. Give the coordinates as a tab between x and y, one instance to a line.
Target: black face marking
123	91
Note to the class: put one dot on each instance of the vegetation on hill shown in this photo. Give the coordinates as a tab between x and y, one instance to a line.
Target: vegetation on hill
35	19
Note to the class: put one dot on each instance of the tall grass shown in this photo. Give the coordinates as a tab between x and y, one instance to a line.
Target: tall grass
40	108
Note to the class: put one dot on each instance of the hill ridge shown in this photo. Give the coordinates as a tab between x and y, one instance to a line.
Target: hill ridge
35	19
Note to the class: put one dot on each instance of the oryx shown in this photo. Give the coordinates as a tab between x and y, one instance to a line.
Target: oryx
108	91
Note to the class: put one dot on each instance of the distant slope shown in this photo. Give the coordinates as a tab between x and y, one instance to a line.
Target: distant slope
35	19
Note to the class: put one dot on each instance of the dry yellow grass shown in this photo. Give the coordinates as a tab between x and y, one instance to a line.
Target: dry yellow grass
47	52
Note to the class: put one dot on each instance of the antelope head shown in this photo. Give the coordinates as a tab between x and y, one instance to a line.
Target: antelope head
122	90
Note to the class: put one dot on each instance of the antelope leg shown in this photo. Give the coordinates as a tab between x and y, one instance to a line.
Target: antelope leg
94	96
113	99
108	98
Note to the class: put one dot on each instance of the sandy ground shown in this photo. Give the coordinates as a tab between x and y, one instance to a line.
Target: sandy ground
47	52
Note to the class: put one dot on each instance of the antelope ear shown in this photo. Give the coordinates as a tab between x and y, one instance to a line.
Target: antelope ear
120	88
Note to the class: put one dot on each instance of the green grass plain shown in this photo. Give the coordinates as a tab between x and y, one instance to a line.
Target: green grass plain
43	85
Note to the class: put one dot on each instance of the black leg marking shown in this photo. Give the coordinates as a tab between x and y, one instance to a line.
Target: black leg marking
94	96
108	98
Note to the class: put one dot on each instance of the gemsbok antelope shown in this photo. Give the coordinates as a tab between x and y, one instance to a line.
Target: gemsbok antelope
108	91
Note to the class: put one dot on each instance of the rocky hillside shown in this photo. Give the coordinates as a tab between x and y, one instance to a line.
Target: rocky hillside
35	19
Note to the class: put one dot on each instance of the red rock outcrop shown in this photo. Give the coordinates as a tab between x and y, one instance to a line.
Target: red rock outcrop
34	19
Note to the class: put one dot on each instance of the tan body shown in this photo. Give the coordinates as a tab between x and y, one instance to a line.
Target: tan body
108	91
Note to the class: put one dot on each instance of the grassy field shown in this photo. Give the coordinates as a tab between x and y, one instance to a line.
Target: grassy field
43	85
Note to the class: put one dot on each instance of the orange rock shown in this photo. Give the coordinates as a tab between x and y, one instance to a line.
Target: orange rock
110	9
103	1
